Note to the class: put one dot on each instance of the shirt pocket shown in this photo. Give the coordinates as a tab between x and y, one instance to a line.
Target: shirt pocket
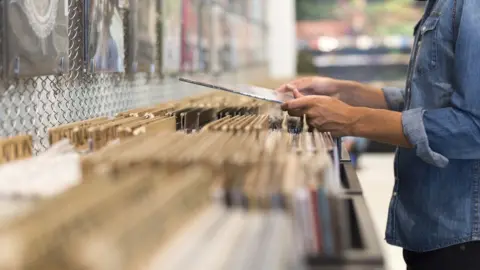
427	55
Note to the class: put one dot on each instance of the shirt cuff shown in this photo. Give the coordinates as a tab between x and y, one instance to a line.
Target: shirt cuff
394	98
414	130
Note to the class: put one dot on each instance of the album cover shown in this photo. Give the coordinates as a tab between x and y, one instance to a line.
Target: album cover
171	40
190	34
36	37
205	34
142	36
104	36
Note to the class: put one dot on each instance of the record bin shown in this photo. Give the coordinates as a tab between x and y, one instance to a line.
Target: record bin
364	251
349	178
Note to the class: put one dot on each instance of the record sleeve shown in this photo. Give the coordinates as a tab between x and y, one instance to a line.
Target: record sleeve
325	218
245	90
142	36
190	34
104	36
171	41
36	37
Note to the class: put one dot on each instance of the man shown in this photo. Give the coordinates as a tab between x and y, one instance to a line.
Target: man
434	212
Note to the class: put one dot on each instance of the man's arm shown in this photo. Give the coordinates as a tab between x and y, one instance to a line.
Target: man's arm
446	133
350	92
363	95
378	125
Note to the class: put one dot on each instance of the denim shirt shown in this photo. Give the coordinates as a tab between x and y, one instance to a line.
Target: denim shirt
436	196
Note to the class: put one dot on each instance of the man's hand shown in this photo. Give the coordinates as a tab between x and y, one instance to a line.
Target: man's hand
350	92
329	114
313	86
325	113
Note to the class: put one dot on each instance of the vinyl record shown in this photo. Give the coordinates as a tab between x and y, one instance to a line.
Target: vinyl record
104	36
142	36
171	42
244	90
37	37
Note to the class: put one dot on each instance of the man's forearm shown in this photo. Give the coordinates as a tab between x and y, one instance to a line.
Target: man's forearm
378	125
362	95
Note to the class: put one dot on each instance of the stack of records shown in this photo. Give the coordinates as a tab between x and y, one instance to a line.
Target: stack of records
262	190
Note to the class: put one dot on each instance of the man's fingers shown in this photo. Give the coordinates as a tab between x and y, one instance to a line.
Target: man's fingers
282	89
286	87
299	84
296	112
292	112
303	102
294	91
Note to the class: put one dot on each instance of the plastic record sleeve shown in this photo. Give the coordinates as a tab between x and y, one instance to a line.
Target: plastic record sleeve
245	90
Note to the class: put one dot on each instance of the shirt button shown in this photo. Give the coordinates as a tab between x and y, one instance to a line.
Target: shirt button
394	194
424	28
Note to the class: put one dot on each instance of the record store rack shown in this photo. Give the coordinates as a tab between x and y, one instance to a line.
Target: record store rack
111	163
206	182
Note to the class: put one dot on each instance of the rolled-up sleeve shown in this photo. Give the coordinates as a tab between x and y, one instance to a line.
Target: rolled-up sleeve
453	132
395	98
